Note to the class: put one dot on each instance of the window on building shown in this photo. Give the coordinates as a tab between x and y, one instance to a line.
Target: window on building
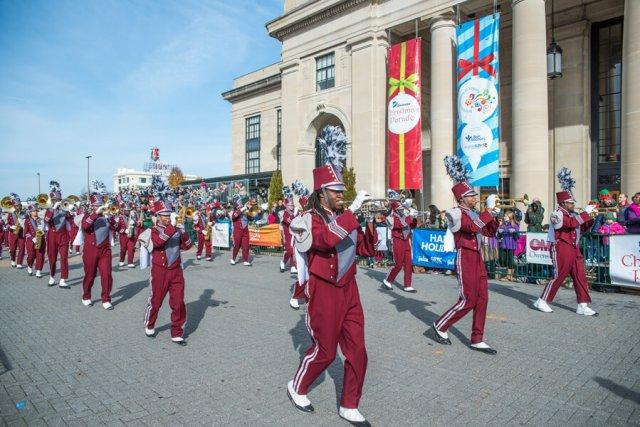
325	72
278	137
606	105
252	144
143	180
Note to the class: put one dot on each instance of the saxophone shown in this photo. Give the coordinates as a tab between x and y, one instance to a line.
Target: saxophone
16	231
39	235
131	225
208	230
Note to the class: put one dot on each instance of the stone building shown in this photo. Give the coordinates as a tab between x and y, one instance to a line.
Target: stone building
333	71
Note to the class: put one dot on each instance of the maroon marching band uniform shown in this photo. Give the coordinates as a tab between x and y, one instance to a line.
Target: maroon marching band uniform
240	234
298	288
96	253
200	227
334	311
73	232
33	254
472	275
166	276
566	256
3	233
127	243
16	240
58	226
401	226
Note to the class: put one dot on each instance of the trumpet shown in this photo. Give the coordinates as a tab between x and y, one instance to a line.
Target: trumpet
511	203
600	211
114	210
69	203
372	207
43	201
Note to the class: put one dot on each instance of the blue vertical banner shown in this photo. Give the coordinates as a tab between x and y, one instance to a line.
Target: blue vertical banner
478	129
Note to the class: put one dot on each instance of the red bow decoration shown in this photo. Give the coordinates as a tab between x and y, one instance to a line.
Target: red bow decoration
477	63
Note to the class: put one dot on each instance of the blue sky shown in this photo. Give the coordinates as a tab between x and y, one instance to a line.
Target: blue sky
114	78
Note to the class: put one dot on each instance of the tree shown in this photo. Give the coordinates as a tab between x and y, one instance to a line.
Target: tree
275	188
349	179
175	178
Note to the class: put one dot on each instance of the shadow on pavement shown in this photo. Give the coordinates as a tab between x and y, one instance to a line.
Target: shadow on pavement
524	298
5	365
301	341
127	292
195	312
620	390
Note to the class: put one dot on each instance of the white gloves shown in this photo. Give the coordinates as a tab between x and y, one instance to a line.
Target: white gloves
361	197
56	205
174	217
100	210
12	227
413	212
244	208
34	240
407	203
210	224
590	208
490	203
131	222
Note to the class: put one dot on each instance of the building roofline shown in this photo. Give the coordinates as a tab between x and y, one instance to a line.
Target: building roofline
258	175
253	87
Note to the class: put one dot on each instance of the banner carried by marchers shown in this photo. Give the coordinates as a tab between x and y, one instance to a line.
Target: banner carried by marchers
624	260
404	124
478	129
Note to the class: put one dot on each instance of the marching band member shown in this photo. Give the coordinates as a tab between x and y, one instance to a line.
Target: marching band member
15	223
126	226
58	223
36	245
167	238
330	239
401	223
288	256
3	233
564	235
96	253
73	231
298	288
241	232
468	227
202	224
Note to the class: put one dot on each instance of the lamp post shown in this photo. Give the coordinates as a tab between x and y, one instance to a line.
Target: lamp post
554	52
88	189
38	182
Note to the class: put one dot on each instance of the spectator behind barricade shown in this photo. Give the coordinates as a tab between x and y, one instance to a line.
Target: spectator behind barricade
507	237
534	216
632	215
278	211
441	221
380	221
610	227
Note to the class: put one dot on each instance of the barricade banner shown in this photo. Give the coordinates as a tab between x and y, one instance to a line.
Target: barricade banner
269	235
221	234
428	249
624	260
404	128
478	127
538	249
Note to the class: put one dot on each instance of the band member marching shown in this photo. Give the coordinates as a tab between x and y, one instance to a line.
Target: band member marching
35	242
241	231
58	223
330	237
401	223
126	225
468	227
203	225
287	216
96	253
564	235
298	288
165	241
15	224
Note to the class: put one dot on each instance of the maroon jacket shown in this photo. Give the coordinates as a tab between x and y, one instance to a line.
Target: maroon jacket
59	223
287	217
97	230
401	226
240	220
122	225
568	226
335	245
13	219
29	229
167	243
473	227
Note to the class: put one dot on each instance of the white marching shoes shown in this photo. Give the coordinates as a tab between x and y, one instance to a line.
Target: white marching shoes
584	310
353	416
131	265
294	270
107	305
29	271
63	284
87	302
246	263
294	303
300	401
38	274
387	285
121	264
52	281
542	305
232	261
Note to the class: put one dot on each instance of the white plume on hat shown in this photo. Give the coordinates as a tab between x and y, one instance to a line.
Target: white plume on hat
333	145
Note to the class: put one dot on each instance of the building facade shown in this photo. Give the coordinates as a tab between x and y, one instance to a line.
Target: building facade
126	178
333	71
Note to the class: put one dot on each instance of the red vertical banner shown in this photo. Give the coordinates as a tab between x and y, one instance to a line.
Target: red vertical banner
404	125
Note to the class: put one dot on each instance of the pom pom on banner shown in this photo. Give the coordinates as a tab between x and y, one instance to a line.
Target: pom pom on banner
455	169
333	144
567	182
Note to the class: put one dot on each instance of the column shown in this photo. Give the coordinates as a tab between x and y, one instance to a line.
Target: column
531	171
443	42
630	155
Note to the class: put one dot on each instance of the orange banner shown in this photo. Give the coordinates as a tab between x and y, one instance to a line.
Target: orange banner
269	235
